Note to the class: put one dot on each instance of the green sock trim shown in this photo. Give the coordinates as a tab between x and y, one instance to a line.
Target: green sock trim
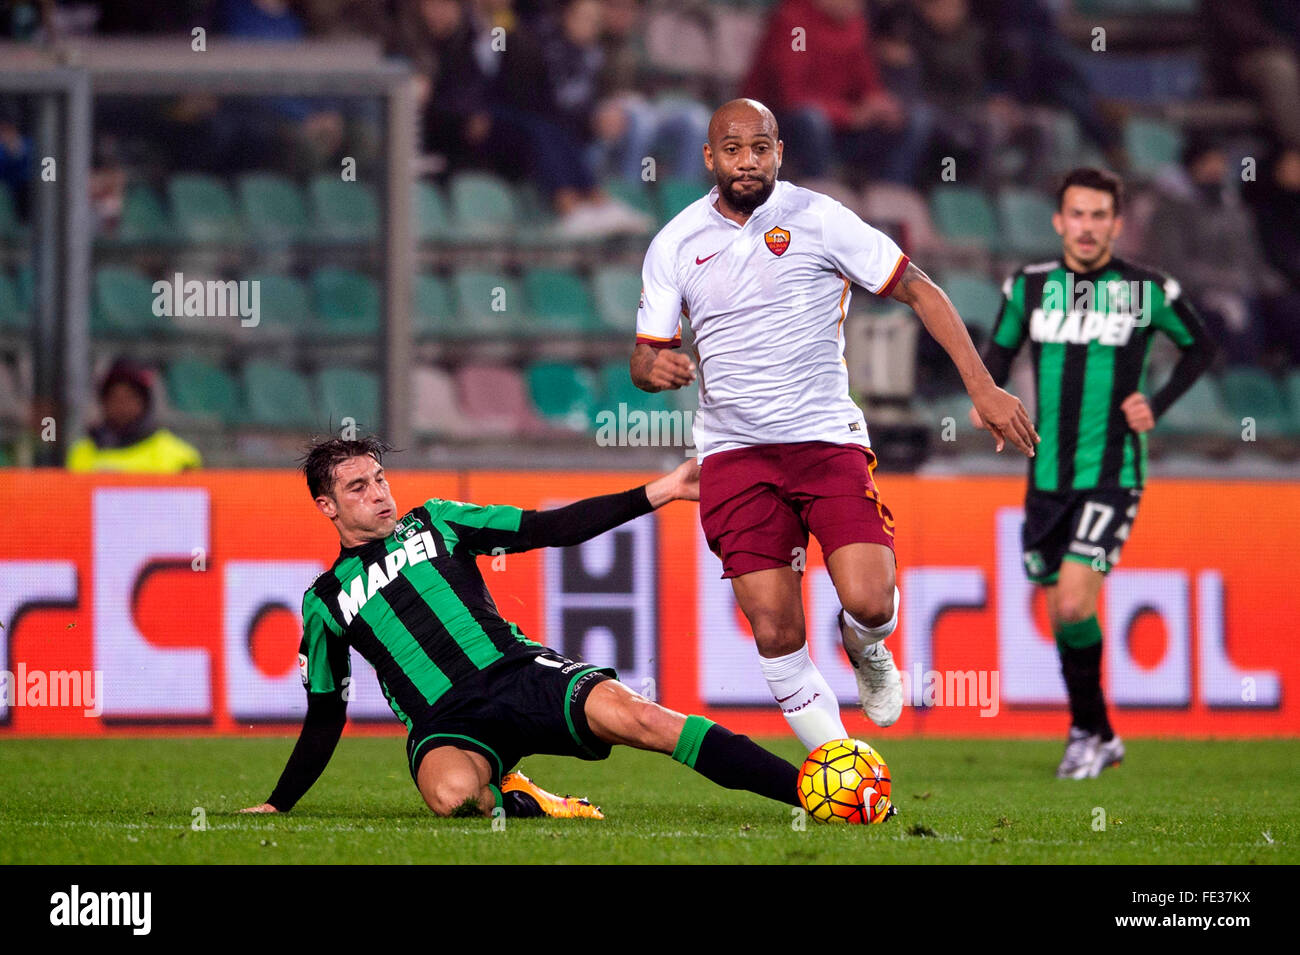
496	794
1085	633
688	744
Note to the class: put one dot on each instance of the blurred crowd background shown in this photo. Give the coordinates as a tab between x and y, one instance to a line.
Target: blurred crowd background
554	138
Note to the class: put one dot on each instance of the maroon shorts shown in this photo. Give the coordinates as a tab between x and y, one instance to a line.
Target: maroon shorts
758	504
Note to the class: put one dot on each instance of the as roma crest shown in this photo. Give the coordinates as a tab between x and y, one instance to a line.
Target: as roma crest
778	240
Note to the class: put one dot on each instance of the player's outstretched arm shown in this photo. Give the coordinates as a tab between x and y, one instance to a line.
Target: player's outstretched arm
660	369
321	729
1000	411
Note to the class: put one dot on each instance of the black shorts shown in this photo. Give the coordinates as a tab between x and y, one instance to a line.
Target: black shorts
532	702
1085	526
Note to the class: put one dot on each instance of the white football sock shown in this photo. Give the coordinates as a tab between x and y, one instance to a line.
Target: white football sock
806	699
871	640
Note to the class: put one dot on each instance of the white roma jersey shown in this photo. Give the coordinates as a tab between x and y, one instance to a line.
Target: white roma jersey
766	301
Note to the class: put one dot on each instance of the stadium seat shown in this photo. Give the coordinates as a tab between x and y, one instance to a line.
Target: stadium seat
273	207
123	304
633	193
435	410
1199	410
617	290
433	313
1151	144
1026	218
432	223
676	194
1293	403
494	400
196	387
563	394
487	304
976	297
963	215
276	396
483	207
9	226
13	315
144	218
283	300
348	393
885	204
203	209
615	388
1251	393
346	301
557	303
25	282
344	211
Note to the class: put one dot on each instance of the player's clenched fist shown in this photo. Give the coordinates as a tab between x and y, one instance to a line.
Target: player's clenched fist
1138	413
659	369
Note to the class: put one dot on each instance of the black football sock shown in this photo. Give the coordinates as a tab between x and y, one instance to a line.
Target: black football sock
735	762
1079	645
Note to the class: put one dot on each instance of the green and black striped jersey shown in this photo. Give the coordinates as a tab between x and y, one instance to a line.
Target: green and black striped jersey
1090	335
415	606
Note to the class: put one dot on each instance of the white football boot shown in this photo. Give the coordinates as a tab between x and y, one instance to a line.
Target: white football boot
880	688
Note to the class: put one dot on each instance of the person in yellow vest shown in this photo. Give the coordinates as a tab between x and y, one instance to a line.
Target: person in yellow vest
127	438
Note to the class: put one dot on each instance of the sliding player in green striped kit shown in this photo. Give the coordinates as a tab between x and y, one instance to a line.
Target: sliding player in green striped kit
475	694
1090	319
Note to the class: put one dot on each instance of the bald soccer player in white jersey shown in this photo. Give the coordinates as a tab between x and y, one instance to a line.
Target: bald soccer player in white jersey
761	269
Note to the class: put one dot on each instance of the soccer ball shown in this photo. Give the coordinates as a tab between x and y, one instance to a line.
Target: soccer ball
845	780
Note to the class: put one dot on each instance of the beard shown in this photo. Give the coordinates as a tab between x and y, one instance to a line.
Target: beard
747	200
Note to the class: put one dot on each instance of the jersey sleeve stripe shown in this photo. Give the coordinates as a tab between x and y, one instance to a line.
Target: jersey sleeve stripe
655	342
899	267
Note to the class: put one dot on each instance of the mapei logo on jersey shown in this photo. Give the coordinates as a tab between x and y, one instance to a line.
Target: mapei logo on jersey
778	240
1075	312
1054	326
416	549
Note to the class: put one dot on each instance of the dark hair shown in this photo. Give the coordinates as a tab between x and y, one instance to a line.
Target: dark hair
322	456
1091	178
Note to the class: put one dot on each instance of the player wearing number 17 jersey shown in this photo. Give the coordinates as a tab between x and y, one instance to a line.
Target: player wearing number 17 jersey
762	270
1090	319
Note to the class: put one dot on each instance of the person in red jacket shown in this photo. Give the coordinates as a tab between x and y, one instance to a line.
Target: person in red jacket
816	68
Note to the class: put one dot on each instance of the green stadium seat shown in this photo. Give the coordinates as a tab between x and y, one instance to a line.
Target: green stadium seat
203	208
283	300
13	315
10	227
483	207
634	193
1200	410
1292	389
1151	144
433	310
344	211
616	388
557	303
123	304
488	304
346	301
617	290
1026	218
277	397
1251	393
144	218
564	394
976	297
676	194
273	207
25	282
432	224
200	388
348	393
962	214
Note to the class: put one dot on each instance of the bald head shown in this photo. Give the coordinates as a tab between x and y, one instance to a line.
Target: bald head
739	116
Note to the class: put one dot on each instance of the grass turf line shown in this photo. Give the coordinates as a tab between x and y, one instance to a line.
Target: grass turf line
987	801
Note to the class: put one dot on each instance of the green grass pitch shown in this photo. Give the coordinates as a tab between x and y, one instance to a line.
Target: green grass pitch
986	801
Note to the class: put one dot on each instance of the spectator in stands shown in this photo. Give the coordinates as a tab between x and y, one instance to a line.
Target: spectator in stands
817	70
1275	199
1035	64
127	438
1203	233
545	85
628	126
1254	45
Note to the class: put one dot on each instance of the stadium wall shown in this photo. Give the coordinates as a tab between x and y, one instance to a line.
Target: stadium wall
147	605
